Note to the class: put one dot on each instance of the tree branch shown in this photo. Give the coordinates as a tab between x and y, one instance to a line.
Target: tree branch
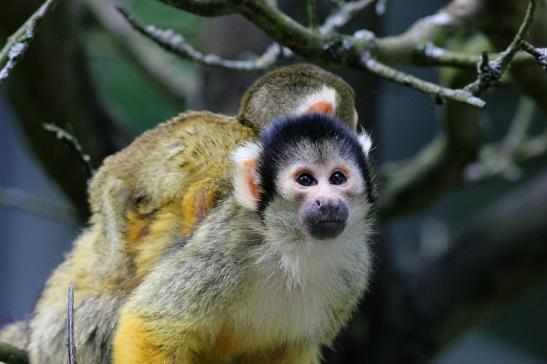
56	58
441	164
498	22
176	44
153	64
437	92
74	145
436	29
18	43
490	72
414	184
332	49
540	54
429	54
343	15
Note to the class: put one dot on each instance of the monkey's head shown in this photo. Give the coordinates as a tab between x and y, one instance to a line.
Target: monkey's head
308	178
294	90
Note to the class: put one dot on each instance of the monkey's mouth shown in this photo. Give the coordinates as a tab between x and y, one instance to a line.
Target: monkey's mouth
326	229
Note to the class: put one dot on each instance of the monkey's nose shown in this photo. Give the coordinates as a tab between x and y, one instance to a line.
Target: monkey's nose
326	218
332	210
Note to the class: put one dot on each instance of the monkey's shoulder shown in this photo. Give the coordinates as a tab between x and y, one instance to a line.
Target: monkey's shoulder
191	132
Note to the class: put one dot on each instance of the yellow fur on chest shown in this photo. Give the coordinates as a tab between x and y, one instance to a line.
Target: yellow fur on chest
230	345
137	343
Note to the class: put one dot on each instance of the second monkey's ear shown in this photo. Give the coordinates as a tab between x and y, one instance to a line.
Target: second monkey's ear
322	101
245	179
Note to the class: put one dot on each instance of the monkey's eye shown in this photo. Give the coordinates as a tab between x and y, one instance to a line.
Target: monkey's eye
337	178
142	204
139	200
306	179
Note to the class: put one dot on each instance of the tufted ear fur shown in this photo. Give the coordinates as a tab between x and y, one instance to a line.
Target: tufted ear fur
321	101
245	179
366	143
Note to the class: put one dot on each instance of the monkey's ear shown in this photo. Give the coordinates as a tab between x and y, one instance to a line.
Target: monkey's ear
245	180
366	142
322	101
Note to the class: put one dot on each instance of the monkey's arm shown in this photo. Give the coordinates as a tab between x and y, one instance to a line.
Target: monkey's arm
176	313
136	343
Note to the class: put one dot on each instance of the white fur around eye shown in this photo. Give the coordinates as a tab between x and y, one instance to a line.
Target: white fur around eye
366	142
244	159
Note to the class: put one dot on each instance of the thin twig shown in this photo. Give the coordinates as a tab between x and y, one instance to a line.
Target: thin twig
343	15
10	354
429	54
176	44
73	144
438	92
70	342
17	44
540	54
490	72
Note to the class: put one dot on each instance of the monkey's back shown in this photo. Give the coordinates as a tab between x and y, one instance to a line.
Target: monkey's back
180	169
187	157
206	143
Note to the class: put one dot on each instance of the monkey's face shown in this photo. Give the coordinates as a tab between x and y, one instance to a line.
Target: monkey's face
322	193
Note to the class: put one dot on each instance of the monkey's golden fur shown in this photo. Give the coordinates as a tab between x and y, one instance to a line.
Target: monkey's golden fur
145	199
142	199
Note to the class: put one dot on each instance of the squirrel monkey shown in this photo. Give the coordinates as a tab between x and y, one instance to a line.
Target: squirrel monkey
275	270
146	199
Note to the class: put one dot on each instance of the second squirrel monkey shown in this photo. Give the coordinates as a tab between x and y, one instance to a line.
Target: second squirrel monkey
274	271
148	197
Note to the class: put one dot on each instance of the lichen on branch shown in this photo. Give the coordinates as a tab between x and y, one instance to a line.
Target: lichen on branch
18	43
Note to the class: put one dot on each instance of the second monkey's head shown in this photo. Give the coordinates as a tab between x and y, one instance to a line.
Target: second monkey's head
295	90
308	178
